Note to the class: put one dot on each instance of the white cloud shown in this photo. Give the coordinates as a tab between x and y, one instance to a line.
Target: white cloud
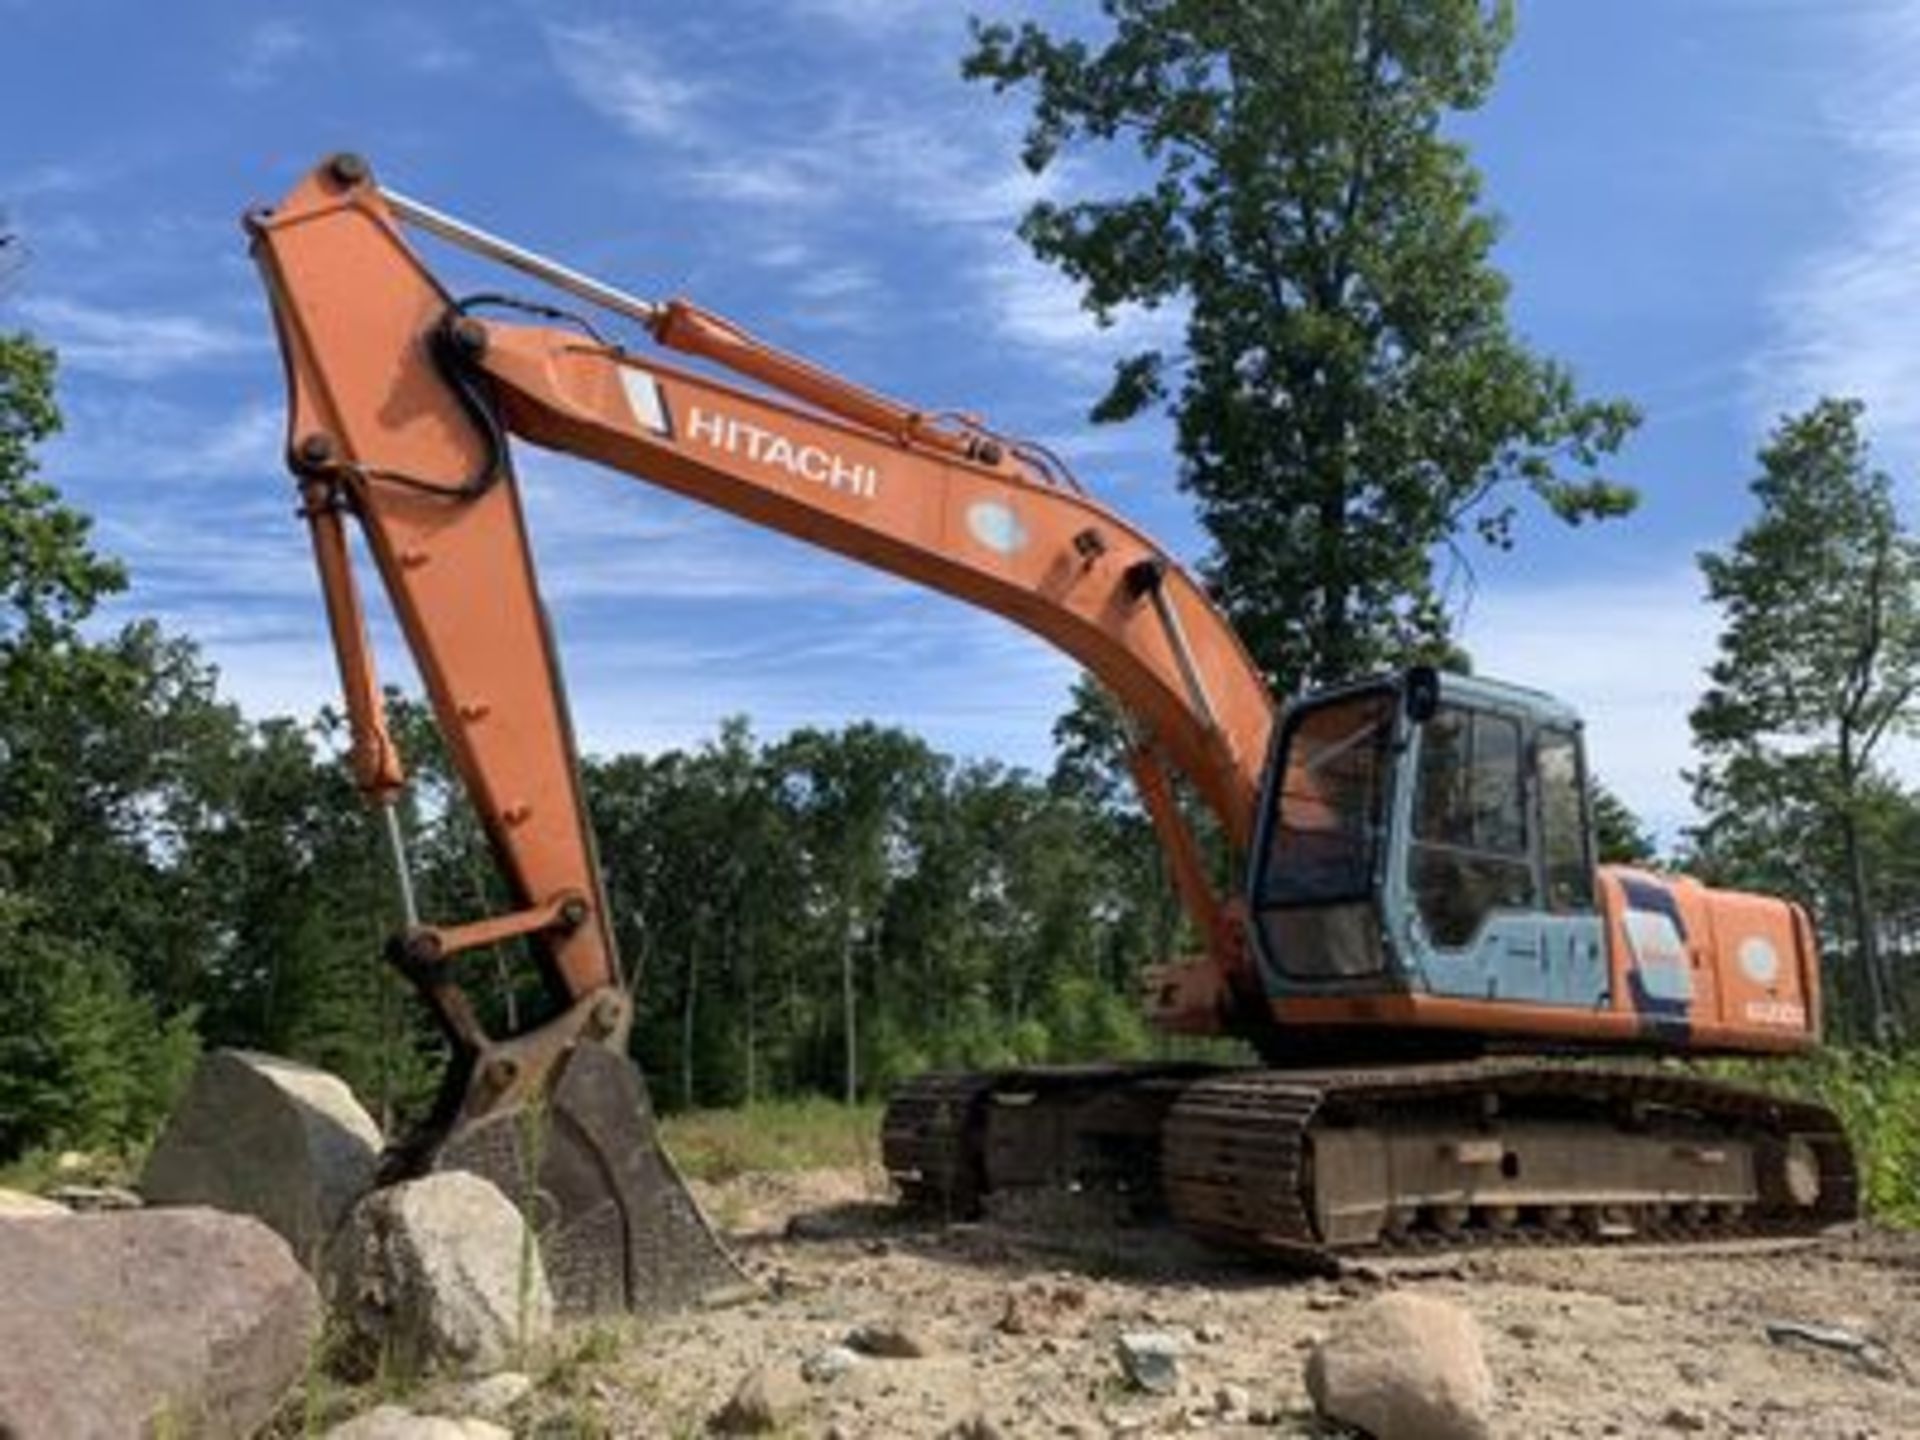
1841	319
134	344
616	70
777	181
419	45
57	178
1035	306
266	50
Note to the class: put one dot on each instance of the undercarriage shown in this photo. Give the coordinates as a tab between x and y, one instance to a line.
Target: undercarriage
1308	1165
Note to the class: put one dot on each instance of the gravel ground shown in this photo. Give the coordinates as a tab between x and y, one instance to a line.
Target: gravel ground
1021	1333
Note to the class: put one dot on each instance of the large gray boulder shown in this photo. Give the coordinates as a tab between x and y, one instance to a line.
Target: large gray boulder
1405	1367
272	1138
179	1322
439	1273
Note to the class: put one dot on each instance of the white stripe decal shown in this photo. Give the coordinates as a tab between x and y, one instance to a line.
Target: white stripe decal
643	395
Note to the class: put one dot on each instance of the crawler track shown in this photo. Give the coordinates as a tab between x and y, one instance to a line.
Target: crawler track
1310	1165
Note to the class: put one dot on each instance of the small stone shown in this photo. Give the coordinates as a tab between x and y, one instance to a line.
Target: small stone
1151	1360
1231	1400
889	1342
974	1427
19	1205
1324	1300
828	1365
396	1422
765	1401
1691	1372
1524	1331
1678	1419
94	1198
1211	1332
493	1397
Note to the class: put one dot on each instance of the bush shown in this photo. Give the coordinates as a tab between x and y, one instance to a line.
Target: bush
1876	1094
85	1063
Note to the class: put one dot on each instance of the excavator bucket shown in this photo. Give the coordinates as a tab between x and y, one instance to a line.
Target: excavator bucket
579	1152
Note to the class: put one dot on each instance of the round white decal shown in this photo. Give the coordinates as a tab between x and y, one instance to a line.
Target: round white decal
1759	960
996	526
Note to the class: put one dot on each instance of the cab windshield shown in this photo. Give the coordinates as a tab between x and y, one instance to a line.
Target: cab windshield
1324	845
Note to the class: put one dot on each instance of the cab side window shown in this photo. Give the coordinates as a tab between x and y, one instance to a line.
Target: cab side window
1470	831
1563	822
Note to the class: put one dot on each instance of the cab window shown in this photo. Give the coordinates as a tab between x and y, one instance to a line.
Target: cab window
1470	831
1563	822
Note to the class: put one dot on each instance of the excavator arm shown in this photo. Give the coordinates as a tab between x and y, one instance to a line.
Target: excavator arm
402	402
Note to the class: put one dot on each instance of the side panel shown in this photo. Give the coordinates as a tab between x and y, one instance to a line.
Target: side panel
1715	967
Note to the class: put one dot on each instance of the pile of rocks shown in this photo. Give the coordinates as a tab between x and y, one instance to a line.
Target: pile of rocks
199	1310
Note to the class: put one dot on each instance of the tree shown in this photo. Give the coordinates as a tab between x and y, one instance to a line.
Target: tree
88	1058
1619	837
1352	399
1818	663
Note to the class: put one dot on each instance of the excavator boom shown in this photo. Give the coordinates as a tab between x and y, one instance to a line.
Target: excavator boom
402	400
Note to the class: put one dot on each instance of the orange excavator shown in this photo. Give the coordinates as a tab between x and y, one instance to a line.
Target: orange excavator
1436	974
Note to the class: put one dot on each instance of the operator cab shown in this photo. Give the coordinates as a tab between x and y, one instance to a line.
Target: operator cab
1429	832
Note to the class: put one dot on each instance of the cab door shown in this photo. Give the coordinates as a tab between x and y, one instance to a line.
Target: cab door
1498	876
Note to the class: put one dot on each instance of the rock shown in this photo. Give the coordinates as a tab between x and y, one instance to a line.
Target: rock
438	1273
19	1205
1039	1309
493	1397
1151	1360
765	1401
828	1365
1230	1401
889	1342
271	1138
1404	1367
396	1422
94	1198
974	1427
149	1322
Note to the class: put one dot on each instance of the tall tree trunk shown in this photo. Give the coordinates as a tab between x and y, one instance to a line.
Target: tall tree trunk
847	1006
688	1000
753	1010
1865	940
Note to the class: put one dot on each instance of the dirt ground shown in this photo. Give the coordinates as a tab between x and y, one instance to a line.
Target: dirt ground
1592	1342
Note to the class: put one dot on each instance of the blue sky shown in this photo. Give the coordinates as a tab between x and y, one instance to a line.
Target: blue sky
1712	207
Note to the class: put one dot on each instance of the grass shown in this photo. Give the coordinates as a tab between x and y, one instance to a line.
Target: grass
38	1171
811	1134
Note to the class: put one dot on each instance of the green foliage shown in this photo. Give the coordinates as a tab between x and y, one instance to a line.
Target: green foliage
85	1062
1619	837
778	900
1818	664
1876	1094
1351	400
89	1056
